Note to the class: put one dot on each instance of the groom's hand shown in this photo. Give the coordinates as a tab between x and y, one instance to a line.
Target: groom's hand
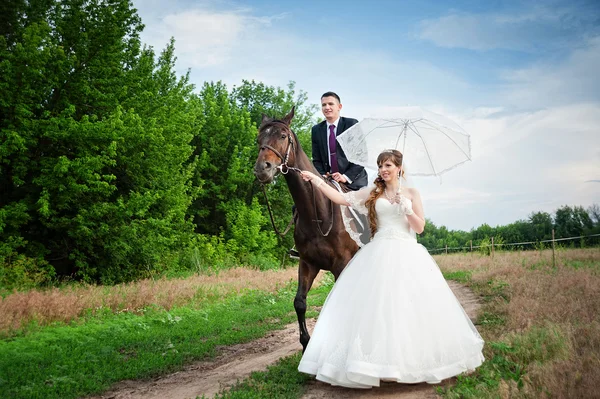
338	177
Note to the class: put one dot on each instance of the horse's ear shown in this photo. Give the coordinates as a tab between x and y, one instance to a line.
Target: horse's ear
265	119
288	118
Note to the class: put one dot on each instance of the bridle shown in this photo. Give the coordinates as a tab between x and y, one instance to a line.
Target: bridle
284	168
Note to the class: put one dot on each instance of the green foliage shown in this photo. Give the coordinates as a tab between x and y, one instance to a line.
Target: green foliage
18	271
572	222
567	222
206	253
248	241
111	161
259	99
462	276
95	150
225	146
541	224
486	245
227	206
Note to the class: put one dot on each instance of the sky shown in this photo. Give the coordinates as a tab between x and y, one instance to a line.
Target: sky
522	78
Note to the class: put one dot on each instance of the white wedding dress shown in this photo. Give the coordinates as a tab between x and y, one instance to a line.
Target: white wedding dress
391	315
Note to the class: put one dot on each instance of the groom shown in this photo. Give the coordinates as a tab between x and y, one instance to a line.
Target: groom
327	154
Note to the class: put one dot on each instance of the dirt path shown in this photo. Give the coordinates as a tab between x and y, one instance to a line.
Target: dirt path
238	361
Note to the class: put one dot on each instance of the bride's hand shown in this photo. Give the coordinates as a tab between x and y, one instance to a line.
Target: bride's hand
311	177
308	176
406	206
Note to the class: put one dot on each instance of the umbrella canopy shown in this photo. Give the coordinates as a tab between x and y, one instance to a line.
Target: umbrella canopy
430	143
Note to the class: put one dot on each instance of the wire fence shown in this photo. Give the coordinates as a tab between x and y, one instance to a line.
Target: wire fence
502	244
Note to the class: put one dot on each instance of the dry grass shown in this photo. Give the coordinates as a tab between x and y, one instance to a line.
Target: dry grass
564	298
69	303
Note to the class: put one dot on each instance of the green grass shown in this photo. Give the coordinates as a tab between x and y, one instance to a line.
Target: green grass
583	264
87	358
281	380
461	276
492	290
507	361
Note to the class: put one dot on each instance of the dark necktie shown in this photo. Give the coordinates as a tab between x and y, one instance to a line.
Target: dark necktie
332	150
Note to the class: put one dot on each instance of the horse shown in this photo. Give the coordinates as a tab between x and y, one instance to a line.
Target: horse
319	234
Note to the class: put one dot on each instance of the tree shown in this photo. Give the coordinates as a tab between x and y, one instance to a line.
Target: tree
95	153
260	99
225	144
482	232
541	223
571	221
594	213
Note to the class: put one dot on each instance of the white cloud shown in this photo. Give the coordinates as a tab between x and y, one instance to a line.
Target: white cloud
207	37
467	31
200	30
523	29
522	163
461	197
574	79
575	171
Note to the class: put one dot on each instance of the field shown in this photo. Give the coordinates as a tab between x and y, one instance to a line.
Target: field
540	323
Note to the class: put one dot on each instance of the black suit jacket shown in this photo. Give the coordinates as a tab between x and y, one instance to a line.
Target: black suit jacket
320	155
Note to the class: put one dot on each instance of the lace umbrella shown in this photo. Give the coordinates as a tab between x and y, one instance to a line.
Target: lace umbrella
430	143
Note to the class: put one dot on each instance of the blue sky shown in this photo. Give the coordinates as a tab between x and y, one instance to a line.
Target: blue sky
522	78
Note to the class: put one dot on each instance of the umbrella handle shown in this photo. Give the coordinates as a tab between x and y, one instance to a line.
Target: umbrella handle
403	155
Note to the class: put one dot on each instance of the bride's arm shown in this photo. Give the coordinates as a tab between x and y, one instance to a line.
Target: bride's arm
326	189
417	219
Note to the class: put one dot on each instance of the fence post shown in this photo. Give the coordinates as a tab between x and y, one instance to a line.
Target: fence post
553	255
492	247
446	249
471	245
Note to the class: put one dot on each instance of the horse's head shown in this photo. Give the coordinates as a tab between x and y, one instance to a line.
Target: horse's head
276	147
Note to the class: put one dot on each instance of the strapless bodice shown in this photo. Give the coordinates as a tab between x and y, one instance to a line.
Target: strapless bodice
391	221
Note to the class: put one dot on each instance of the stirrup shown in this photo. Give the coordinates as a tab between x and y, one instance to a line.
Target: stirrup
293	253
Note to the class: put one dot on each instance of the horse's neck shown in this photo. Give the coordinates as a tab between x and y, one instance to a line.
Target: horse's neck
301	191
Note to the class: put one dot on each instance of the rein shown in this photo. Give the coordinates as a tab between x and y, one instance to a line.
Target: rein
284	168
317	221
289	226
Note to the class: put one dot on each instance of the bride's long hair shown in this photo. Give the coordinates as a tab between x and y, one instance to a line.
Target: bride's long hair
388	155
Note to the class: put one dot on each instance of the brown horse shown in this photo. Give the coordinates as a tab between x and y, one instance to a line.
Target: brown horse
280	152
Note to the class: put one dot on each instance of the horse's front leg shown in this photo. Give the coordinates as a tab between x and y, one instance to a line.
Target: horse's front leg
306	276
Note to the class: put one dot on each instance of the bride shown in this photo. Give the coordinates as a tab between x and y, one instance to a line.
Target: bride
391	315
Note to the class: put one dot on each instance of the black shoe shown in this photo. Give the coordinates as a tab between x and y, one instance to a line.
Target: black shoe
294	254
